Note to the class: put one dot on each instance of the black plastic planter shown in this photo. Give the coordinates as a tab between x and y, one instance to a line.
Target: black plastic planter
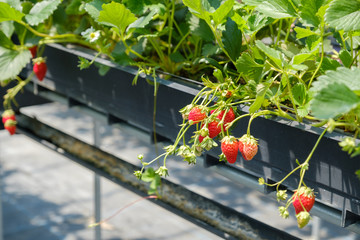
114	94
281	142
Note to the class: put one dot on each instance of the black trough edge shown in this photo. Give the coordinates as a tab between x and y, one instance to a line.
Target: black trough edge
211	215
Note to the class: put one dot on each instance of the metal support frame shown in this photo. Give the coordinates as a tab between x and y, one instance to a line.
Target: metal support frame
1	212
207	213
97	183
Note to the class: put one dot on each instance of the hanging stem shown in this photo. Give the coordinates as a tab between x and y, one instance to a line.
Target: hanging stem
321	58
303	170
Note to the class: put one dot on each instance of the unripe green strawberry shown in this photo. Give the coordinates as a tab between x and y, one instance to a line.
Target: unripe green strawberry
10	125
196	115
40	68
303	199
229	147
303	219
248	147
8	114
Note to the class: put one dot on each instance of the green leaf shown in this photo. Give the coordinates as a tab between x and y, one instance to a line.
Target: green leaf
210	49
344	15
300	58
41	11
8	13
199	27
144	20
313	42
83	63
232	39
148	175
5	42
247	65
14	4
8	28
273	54
299	93
274	8
116	15
256	22
26	7
308	12
261	90
349	77
210	61
218	74
303	111
334	100
93	8
12	62
220	14
336	92
73	8
120	56
239	21
303	32
358	173
177	57
329	64
197	8
345	58
103	69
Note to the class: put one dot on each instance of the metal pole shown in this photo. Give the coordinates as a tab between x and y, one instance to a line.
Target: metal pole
97	186
316	226
1	212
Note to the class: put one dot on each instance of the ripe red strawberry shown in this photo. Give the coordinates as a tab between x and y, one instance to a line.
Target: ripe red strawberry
248	147
33	51
304	198
8	114
229	117
10	125
197	114
228	94
213	130
229	147
40	68
241	147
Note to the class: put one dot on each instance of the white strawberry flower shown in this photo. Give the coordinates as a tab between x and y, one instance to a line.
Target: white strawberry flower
91	35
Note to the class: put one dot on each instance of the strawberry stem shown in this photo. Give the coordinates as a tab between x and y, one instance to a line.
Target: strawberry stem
303	170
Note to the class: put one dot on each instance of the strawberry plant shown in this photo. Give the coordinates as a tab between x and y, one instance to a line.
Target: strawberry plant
291	59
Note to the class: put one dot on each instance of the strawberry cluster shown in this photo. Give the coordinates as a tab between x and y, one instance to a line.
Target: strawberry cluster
217	124
303	200
213	123
9	121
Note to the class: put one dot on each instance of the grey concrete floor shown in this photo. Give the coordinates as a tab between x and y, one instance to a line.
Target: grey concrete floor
46	196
